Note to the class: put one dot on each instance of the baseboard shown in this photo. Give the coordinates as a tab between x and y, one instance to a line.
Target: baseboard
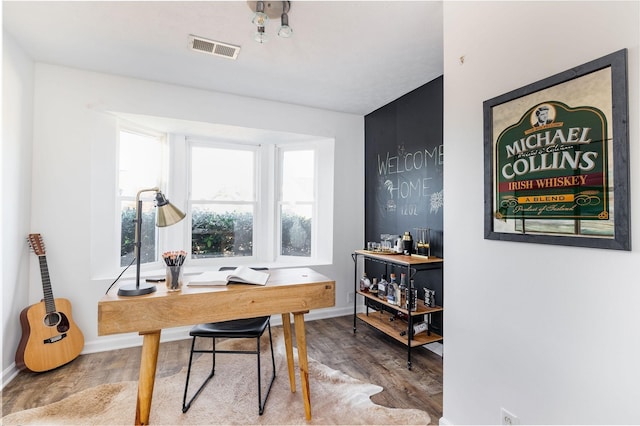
9	374
129	340
436	347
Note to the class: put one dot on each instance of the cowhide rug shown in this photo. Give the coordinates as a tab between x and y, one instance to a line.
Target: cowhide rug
229	398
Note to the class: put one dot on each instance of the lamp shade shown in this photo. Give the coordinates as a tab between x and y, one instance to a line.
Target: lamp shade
167	214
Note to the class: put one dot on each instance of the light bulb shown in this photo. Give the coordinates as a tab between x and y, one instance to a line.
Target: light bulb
285	30
260	18
260	36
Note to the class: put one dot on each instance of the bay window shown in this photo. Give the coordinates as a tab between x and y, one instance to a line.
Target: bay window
246	202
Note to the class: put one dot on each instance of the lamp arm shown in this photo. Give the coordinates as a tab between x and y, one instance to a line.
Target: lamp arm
154	189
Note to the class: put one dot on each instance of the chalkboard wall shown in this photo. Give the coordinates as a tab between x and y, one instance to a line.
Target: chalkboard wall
404	159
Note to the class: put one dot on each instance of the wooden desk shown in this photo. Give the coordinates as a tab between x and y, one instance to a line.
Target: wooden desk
288	291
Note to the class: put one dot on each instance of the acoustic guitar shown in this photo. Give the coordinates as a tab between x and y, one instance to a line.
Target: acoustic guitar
50	338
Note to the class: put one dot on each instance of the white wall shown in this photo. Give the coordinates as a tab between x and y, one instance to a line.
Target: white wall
550	333
17	124
73	146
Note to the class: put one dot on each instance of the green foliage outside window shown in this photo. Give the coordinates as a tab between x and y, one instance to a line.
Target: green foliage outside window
128	232
221	234
226	234
296	236
231	234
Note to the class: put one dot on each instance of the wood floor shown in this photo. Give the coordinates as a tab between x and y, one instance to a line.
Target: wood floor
367	355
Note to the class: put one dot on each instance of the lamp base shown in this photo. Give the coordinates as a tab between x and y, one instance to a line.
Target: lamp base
136	290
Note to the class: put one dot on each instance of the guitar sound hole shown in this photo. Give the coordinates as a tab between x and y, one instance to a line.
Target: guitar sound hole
52	319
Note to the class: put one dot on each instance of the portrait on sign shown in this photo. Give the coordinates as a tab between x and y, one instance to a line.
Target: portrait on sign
556	159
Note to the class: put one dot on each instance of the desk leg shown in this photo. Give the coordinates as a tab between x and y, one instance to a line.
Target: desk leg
288	344
148	362
301	340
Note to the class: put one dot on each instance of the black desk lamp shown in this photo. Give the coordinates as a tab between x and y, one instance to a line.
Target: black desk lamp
166	214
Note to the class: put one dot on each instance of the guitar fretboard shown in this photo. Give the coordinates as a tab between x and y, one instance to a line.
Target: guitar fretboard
49	301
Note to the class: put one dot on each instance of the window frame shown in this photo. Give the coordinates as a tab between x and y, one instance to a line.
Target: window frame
280	202
190	143
162	139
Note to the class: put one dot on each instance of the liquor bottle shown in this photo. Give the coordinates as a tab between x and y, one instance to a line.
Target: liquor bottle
412	297
392	289
399	245
402	316
417	328
373	288
365	283
402	288
382	287
429	298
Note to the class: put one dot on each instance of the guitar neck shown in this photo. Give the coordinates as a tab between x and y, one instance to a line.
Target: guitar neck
49	301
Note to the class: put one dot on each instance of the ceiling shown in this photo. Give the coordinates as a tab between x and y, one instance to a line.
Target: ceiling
346	56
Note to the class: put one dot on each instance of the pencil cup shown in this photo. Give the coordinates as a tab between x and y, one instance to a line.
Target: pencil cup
174	278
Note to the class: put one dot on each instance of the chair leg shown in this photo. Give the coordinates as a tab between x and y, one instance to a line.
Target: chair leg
186	406
261	402
273	358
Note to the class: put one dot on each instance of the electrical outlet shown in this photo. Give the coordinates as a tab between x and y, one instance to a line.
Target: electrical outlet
507	418
350	297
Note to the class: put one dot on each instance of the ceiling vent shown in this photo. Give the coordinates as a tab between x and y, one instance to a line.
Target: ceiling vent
215	48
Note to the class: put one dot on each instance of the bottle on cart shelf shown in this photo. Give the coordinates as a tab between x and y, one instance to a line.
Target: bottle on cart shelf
392	289
382	287
417	328
399	316
402	289
429	297
373	288
412	297
365	283
399	247
402	316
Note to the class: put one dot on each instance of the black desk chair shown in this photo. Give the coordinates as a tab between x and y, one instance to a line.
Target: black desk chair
234	329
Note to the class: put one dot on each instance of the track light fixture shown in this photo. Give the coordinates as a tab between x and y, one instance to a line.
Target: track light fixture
265	10
285	30
260	18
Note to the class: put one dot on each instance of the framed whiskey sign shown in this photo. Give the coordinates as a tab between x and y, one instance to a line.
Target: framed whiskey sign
556	159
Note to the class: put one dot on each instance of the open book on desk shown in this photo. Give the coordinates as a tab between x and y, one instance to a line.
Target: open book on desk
241	275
